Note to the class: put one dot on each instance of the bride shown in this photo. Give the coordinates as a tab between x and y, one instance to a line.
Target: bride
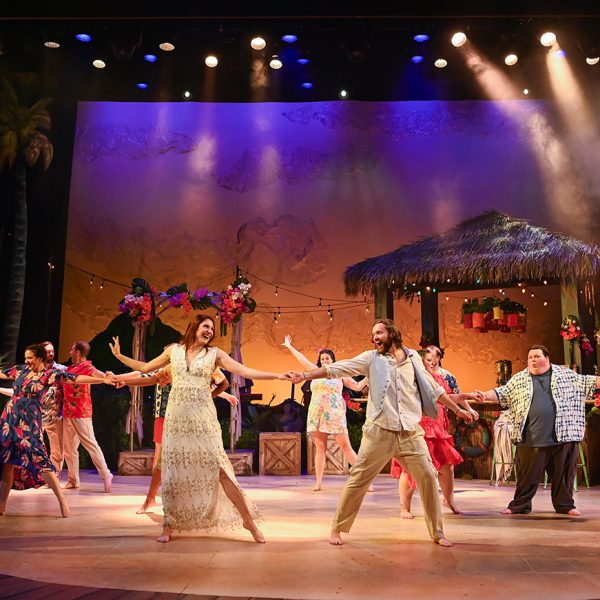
199	488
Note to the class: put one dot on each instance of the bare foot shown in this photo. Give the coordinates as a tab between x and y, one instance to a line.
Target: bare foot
64	508
165	536
452	507
446	543
507	511
574	512
148	503
259	538
405	514
371	488
108	483
335	539
70	486
317	487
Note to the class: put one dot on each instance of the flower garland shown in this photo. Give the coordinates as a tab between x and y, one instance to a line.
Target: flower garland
570	329
139	304
236	300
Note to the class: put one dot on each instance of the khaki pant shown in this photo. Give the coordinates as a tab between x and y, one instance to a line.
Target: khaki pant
377	447
54	431
82	430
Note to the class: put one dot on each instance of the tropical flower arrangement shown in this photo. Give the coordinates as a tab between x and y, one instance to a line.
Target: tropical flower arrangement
236	300
179	296
352	404
570	329
139	303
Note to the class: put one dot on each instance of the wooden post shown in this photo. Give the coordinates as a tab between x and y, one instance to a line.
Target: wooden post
569	305
384	302
138	353
588	317
430	322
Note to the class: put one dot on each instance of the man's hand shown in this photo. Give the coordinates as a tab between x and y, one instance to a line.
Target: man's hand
294	376
115	347
465	415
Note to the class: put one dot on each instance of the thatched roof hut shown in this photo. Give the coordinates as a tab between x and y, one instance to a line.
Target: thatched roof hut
490	250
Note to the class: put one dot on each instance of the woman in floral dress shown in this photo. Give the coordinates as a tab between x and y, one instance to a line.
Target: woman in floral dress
440	443
23	456
327	410
199	488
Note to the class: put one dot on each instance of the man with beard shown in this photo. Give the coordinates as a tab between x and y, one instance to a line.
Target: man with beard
400	392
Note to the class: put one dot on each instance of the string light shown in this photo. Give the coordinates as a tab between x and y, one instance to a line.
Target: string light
102	285
523	291
545	282
545	303
276	291
427	288
278	312
92	280
320	303
532	295
331	316
367	309
447	298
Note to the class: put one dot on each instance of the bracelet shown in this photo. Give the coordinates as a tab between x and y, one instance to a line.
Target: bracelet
303	374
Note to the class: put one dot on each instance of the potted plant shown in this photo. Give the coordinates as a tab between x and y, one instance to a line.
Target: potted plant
512	310
498	309
467	310
479	316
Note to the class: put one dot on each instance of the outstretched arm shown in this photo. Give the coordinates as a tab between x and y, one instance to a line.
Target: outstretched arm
7	391
226	362
457	410
354	385
89	379
462	400
144	367
306	364
135	378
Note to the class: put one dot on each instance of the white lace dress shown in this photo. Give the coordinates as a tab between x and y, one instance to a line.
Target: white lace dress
193	453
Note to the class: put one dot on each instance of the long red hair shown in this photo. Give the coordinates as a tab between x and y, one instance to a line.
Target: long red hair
189	337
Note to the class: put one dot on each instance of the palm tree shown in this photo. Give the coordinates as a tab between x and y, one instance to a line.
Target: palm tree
22	144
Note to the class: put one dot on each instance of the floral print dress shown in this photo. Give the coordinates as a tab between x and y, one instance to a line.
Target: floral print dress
21	436
327	410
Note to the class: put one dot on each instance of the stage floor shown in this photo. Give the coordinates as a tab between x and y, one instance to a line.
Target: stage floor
104	544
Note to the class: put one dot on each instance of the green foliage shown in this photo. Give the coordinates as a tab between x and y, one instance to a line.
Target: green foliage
470	306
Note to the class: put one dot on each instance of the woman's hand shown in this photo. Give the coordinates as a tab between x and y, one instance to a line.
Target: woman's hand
115	347
465	415
287	342
233	400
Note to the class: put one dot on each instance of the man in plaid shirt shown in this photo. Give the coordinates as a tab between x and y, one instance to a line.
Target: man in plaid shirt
547	410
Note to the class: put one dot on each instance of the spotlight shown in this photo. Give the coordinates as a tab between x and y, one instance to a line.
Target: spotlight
440	63
187	95
420	38
303	61
526	92
289	38
343	95
211	61
258	43
417	59
307	85
511	59
99	63
51	44
548	39
592	61
83	37
459	39
150	58
560	53
275	62
141	86
167	46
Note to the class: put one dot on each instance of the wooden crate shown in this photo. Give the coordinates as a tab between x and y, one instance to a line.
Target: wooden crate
138	462
241	461
335	461
280	453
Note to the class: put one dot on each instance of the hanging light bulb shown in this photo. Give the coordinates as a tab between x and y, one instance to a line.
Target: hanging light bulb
331	316
92	280
367	309
447	298
276	291
545	303
320	303
102	285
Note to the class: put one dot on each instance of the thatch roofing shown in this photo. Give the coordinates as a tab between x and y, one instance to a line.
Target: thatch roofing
491	249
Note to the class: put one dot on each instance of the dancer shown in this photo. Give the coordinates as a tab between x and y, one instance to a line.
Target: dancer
77	419
400	391
547	410
327	410
441	447
23	456
199	488
52	421
163	381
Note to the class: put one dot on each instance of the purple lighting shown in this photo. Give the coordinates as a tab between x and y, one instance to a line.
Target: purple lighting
307	85
142	86
417	59
303	61
83	37
289	38
150	58
421	37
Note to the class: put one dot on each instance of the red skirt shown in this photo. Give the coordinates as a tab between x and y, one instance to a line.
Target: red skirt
159	423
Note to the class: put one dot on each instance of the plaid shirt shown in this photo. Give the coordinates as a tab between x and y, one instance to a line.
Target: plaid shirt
569	392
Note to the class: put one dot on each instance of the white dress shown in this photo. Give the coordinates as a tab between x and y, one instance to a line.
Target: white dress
193	453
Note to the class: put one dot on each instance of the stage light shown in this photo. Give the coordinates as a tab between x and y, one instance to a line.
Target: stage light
275	62
548	39
257	43
211	61
99	63
187	95
459	39
150	58
511	59
83	37
343	95
167	46
420	38
417	59
141	86
289	38
303	61
50	44
592	60
307	85
440	63
526	92
560	53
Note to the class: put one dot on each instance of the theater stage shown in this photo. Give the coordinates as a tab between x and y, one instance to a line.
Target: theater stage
104	544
